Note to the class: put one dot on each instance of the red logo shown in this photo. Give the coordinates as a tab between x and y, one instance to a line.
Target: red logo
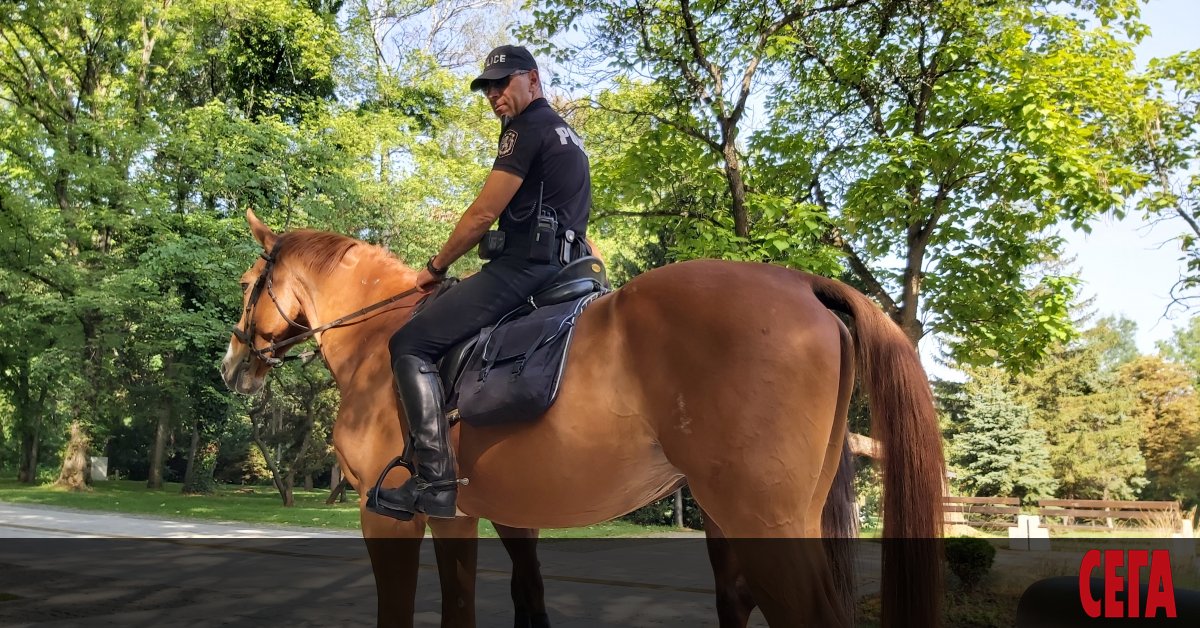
1159	596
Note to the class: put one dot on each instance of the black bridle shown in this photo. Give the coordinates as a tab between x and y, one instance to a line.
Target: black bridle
268	354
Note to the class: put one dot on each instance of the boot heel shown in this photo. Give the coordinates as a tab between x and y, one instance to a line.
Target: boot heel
434	504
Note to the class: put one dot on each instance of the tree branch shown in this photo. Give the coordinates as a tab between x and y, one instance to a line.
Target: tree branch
834	238
602	214
687	130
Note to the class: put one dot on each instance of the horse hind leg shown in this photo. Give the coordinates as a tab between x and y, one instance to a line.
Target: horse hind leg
785	565
528	591
839	517
839	527
734	600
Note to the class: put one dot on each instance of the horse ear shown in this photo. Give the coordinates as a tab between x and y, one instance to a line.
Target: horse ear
350	257
261	232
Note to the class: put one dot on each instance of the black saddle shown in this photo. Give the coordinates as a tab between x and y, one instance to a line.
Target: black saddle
577	279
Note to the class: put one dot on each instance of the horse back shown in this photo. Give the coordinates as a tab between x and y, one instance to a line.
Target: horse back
686	365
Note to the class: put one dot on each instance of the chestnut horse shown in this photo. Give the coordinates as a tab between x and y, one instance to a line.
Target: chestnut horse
735	377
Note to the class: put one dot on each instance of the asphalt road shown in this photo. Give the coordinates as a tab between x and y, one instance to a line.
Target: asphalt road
75	568
86	569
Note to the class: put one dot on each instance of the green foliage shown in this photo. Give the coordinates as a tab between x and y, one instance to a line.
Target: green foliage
202	482
662	513
1167	144
1167	410
1087	416
1183	347
970	559
945	140
868	488
992	445
928	148
132	137
923	150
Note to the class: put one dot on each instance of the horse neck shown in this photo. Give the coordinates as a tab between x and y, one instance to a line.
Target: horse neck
374	278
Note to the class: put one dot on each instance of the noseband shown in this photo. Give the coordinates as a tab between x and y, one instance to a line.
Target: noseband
268	353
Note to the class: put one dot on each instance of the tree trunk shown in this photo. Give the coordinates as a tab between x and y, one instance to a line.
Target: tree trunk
308	481
737	191
865	446
679	508
29	413
202	463
74	474
284	485
27	473
189	473
337	486
160	442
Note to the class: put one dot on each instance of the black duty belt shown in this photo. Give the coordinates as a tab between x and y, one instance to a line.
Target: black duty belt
569	246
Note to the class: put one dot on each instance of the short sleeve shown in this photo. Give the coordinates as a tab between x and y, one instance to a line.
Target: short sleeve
517	149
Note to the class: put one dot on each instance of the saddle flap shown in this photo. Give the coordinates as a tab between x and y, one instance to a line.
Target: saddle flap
515	377
522	336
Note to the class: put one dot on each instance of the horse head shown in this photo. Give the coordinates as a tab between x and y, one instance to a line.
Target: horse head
272	314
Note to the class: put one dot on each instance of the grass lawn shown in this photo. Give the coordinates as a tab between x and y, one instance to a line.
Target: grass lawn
251	504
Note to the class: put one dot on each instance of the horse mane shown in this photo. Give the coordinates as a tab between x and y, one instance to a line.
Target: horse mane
322	251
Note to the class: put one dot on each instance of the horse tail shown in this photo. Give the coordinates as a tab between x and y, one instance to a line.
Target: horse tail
903	418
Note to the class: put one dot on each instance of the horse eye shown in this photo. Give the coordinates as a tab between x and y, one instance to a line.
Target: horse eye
245	286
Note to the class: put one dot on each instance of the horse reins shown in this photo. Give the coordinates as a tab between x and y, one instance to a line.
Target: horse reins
267	353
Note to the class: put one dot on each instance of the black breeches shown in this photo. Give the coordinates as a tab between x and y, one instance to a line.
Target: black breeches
476	302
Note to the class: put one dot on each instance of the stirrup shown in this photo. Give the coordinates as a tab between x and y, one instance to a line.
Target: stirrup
378	507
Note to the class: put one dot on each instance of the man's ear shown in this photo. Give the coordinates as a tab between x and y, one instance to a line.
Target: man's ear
261	232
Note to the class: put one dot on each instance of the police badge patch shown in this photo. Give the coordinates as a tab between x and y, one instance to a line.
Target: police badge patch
508	142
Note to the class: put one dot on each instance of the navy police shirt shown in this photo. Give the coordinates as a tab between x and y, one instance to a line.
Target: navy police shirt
539	146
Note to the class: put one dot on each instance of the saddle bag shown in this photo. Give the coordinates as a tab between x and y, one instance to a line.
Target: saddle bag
514	373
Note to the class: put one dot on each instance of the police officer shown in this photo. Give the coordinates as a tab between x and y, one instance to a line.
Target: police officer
539	181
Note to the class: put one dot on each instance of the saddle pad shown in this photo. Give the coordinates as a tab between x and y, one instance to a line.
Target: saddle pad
514	372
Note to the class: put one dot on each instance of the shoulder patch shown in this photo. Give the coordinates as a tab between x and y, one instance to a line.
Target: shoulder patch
508	142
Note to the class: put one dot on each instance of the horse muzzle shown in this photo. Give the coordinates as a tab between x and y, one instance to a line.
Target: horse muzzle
238	373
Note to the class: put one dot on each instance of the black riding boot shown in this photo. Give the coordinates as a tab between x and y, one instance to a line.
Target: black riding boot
433	489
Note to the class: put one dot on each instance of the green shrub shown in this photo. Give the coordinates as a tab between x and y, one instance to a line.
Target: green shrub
970	559
662	513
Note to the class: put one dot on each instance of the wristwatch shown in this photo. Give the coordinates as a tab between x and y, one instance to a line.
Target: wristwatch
434	270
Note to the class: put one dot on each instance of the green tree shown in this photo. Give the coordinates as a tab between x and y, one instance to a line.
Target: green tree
945	140
1168	410
933	145
1166	152
1183	347
295	410
992	444
1088	418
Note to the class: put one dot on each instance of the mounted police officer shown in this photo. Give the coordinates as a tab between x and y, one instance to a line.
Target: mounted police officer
540	190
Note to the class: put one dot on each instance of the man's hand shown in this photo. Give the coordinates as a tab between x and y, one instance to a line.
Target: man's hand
427	281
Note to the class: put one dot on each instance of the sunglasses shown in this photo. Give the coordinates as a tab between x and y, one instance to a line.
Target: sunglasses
502	83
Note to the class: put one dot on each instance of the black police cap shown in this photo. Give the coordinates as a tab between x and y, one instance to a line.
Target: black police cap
502	62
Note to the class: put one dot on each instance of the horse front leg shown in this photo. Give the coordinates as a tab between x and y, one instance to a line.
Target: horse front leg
528	592
395	551
456	544
734	600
